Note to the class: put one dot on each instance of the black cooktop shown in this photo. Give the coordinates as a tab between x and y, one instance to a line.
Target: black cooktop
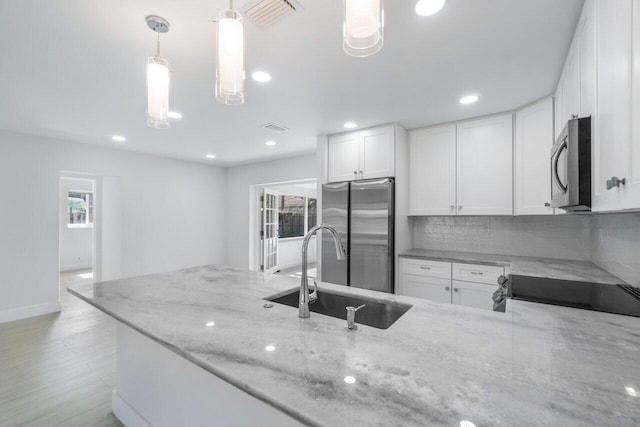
618	299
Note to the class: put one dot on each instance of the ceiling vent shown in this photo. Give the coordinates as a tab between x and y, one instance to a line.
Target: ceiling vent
265	13
276	127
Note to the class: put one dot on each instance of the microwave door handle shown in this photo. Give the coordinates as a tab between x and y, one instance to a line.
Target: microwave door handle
555	167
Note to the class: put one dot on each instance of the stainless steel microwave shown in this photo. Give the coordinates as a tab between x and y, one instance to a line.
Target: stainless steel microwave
571	167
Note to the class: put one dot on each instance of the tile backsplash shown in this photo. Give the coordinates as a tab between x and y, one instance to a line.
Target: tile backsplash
615	244
561	236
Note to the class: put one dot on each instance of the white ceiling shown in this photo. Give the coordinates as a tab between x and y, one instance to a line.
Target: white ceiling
74	70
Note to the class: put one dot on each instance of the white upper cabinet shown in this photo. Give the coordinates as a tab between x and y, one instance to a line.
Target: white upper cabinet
587	48
601	79
575	95
364	154
432	171
377	152
531	167
616	141
485	166
463	168
344	152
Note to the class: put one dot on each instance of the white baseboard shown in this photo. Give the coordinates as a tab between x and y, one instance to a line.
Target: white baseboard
126	413
77	266
29	311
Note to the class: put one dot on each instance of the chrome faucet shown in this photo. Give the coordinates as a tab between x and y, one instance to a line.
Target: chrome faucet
303	305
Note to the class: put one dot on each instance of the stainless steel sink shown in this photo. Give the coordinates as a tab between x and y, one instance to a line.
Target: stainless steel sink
377	313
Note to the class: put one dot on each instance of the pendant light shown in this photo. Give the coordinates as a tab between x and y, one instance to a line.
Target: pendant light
158	80
230	57
363	26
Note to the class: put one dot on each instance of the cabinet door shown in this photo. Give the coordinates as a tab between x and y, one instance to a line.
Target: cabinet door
484	166
434	289
571	104
557	109
377	152
344	157
532	167
586	31
469	294
615	150
432	171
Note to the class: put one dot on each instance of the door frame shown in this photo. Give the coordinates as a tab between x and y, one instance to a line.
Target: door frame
93	179
255	255
106	254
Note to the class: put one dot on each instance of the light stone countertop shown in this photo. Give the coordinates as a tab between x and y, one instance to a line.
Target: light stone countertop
439	364
561	269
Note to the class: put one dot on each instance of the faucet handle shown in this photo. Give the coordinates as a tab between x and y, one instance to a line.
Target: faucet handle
313	296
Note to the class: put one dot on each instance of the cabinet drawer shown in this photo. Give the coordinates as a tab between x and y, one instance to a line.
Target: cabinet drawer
477	273
423	267
431	288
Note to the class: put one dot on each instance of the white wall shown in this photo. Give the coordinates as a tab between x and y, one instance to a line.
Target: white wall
76	244
290	252
240	179
173	215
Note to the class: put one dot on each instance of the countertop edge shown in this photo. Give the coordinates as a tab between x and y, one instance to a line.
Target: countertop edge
210	369
453	259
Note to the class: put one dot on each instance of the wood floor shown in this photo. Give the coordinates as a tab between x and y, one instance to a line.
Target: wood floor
58	369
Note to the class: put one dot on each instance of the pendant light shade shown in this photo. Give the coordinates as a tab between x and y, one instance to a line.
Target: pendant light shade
158	80
363	27
230	58
158	93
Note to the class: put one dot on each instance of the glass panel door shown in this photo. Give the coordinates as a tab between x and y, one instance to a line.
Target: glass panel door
269	232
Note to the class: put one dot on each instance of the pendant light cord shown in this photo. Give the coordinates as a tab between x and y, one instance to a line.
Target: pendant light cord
158	45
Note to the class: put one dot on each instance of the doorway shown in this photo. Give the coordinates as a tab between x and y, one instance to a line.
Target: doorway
285	213
77	230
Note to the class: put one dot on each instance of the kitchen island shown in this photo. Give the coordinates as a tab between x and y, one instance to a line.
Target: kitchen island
437	365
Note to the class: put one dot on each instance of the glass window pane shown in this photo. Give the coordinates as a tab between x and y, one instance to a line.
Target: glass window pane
291	216
80	208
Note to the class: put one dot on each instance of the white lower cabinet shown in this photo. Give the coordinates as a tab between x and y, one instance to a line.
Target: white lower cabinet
431	288
469	294
479	282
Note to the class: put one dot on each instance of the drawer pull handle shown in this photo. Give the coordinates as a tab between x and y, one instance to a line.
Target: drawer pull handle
477	273
447	289
455	289
425	268
615	182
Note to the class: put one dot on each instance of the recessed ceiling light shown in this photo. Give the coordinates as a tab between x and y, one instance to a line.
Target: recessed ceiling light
118	138
210	156
349	379
209	324
270	347
350	125
270	143
429	7
174	115
469	99
631	391
261	76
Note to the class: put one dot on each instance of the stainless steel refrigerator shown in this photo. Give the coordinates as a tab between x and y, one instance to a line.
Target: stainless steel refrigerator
363	213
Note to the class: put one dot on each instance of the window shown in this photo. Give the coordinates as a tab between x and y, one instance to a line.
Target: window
80	209
296	215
